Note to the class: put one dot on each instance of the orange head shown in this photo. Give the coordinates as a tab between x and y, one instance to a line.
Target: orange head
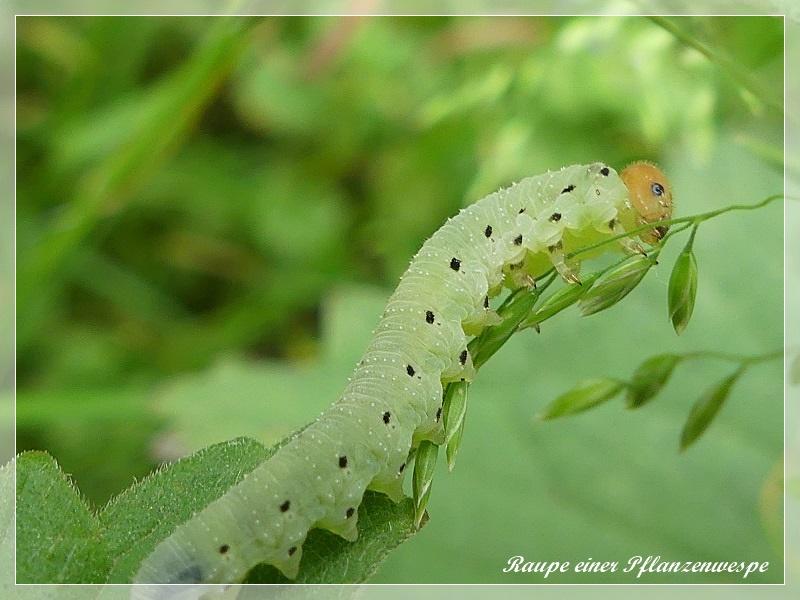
651	197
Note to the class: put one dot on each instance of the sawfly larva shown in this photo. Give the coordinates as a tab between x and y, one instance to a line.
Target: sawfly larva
394	397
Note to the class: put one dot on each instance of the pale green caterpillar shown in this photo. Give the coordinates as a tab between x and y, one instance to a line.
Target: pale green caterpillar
394	397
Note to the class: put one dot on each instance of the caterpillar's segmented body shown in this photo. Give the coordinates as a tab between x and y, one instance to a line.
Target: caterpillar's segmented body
394	397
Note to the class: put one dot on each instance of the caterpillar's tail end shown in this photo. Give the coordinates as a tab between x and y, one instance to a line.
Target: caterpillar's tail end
650	194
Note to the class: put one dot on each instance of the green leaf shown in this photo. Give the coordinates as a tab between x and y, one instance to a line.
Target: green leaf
492	339
584	396
615	284
424	468
682	290
7	549
150	510
649	378
706	408
455	411
58	538
562	298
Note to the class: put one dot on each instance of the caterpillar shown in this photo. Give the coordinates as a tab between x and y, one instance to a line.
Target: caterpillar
393	399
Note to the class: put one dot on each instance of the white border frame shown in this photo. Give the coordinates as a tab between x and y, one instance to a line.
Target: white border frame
783	8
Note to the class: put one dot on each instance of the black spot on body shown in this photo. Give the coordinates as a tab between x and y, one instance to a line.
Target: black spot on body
191	574
486	302
224	549
342	462
462	358
611	224
438	414
429	316
402	468
604	171
455	264
292	550
555	217
488	231
285	506
569	188
350	512
521	210
518	240
410	370
387	417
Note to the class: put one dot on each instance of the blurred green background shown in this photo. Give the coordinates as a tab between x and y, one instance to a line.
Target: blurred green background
211	213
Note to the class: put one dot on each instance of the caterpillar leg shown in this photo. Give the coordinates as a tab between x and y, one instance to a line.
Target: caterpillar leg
628	244
567	272
521	278
477	322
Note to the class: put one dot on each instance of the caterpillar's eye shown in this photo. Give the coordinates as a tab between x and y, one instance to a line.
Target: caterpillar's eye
657	189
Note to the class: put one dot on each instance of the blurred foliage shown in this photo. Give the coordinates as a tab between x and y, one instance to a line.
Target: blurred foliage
191	190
